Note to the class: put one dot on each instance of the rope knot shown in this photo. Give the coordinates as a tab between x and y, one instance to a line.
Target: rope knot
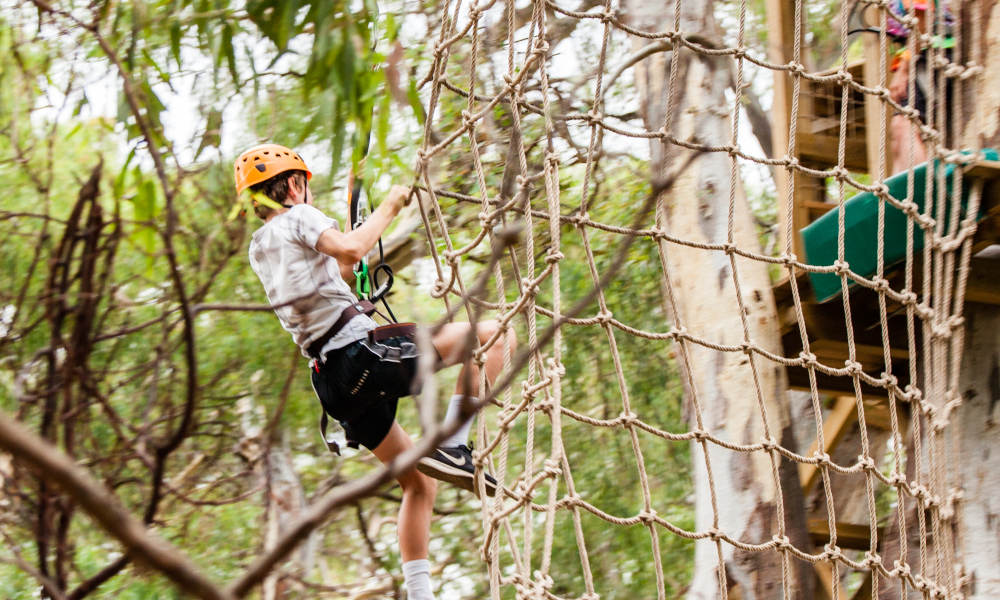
439	289
844	77
781	542
822	458
841	267
866	463
552	468
553	256
770	444
853	367
831	551
422	159
746	348
808	359
608	16
593	117
729	248
604	317
648	516
789	259
901	568
881	284
889	380
872	560
627	418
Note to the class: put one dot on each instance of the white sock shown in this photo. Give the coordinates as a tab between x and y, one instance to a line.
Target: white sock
417	577
460	437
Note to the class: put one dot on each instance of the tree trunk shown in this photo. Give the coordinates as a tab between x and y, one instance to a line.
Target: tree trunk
725	390
978	423
978	419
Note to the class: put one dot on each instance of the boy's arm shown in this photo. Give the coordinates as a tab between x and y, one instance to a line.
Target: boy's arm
351	246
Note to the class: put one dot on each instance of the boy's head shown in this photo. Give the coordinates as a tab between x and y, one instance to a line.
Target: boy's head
272	170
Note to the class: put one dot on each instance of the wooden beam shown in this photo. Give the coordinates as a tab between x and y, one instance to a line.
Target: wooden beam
984	281
865	591
849	535
798	379
820	151
835	426
824	573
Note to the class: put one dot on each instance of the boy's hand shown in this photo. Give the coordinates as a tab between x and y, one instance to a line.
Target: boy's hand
399	196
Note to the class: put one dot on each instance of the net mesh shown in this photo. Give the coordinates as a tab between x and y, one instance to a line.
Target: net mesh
721	331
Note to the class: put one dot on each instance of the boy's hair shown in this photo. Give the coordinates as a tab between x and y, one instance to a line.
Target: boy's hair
276	188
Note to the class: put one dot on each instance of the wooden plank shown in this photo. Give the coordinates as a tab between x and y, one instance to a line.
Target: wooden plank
983	285
849	535
835	426
820	151
865	591
824	574
798	379
984	169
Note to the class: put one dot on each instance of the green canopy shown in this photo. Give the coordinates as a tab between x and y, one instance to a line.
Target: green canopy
861	228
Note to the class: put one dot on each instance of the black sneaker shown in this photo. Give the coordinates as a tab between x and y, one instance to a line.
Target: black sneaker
454	465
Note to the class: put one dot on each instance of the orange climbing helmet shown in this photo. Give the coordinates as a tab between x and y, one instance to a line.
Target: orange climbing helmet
263	162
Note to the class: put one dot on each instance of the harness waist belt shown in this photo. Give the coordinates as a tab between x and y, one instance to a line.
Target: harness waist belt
394	330
362	307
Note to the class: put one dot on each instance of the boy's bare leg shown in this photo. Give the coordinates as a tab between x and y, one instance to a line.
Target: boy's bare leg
419	491
451	343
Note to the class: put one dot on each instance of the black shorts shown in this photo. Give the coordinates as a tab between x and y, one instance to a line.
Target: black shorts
360	384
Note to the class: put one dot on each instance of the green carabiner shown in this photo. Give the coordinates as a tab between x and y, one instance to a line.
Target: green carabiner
362	283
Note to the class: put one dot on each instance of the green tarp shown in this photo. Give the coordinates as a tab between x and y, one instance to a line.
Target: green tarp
861	229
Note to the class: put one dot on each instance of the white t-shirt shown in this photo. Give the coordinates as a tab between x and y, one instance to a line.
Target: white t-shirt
307	282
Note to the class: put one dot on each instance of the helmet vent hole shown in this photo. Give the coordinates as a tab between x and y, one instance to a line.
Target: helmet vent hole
261	168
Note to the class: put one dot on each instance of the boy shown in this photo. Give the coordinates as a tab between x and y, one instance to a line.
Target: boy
903	143
358	370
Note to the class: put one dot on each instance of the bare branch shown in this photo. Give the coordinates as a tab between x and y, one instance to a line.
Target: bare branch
106	509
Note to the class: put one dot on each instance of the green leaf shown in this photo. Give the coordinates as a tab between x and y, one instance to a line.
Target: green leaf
382	123
175	42
337	149
415	103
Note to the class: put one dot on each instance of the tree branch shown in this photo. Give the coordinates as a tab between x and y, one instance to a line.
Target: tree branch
106	509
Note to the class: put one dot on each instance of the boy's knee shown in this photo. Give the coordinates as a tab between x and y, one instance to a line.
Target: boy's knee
416	483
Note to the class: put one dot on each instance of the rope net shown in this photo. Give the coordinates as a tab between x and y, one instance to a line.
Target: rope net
720	333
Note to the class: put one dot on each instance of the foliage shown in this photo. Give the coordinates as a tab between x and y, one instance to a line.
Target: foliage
113	344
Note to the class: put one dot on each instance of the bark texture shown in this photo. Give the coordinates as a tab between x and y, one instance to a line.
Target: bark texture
722	384
978	426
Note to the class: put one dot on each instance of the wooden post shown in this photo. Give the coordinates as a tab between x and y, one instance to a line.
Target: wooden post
834	426
875	107
780	49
